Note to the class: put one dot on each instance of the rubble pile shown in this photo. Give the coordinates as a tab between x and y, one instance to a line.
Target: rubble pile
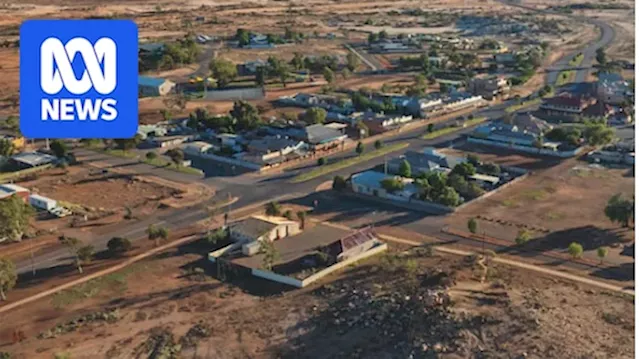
73	325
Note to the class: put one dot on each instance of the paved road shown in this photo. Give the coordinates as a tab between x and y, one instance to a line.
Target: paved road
607	34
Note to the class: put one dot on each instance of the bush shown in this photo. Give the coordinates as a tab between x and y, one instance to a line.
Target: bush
322	161
339	183
119	245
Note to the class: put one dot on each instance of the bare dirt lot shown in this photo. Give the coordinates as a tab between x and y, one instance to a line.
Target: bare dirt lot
426	306
565	202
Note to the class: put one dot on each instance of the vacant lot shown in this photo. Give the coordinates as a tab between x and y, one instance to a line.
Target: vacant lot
566	203
159	303
97	191
501	157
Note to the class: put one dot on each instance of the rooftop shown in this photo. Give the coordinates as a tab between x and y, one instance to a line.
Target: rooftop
150	81
319	133
254	227
33	159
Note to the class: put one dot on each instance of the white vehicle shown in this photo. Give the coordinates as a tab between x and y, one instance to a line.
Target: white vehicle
60	212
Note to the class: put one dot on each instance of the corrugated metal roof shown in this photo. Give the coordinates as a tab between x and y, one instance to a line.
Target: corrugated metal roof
150	81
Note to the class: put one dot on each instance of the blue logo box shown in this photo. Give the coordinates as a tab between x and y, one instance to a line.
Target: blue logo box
79	79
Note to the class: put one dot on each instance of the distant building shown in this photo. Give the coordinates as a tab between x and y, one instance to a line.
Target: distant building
255	229
41	202
425	161
167	141
274	149
198	147
32	159
379	123
613	89
321	137
369	183
151	48
8	189
461	100
565	105
489	88
151	86
250	68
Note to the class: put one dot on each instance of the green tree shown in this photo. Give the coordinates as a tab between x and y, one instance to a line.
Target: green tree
352	61
449	197
118	245
575	250
602	252
620	210
345	73
328	74
243	37
373	38
151	155
444	88
215	236
322	161
601	56
176	155
362	128
339	183
378	144
523	237
13	123
273	209
270	254
464	169
59	148
261	74
405	169
430	128
392	184
156	234
6	147
8	277
314	115
474	160
297	62
85	253
472	225
288	214
73	246
223	71
246	115
302	217
279	69
127	144
360	148
14	218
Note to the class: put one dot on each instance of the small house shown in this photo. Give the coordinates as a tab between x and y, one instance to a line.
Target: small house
8	189
32	159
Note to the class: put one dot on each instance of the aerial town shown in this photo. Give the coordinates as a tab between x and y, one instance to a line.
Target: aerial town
333	179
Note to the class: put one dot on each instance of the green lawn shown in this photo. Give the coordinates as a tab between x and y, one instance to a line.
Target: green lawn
348	162
565	77
576	60
514	108
159	162
448	130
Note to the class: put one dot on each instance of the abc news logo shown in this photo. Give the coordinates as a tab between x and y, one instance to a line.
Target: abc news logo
56	74
79	79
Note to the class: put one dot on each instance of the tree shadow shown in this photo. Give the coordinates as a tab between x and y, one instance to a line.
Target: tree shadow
623	272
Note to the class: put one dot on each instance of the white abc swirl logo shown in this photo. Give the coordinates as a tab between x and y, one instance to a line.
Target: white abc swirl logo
54	78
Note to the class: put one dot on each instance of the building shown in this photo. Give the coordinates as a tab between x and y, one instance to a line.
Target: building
41	202
151	131
379	123
167	141
250	68
252	230
613	89
32	159
565	105
486	182
272	150
461	100
198	147
151	49
9	189
152	86
425	161
504	59
318	136
489	88
352	245
369	183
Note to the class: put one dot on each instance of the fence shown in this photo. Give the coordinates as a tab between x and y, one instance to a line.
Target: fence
562	154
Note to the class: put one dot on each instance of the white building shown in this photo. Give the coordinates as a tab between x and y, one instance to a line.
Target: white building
42	202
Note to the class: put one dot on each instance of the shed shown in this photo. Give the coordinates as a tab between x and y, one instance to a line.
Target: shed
153	86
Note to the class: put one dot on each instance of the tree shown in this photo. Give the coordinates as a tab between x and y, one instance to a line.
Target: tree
339	183
352	61
176	155
261	74
444	88
156	234
322	161
360	148
6	147
601	57
270	254
392	184
118	245
279	69
59	148
243	37
314	115
85	253
12	123
575	250
373	38
378	144
362	128
328	74
405	169
523	237
127	144
474	160
223	71
464	169
73	246
14	218
430	128
151	155
345	73
620	210
472	225
302	217
8	277
449	197
246	115
597	133
273	209
213	237
297	62
602	252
